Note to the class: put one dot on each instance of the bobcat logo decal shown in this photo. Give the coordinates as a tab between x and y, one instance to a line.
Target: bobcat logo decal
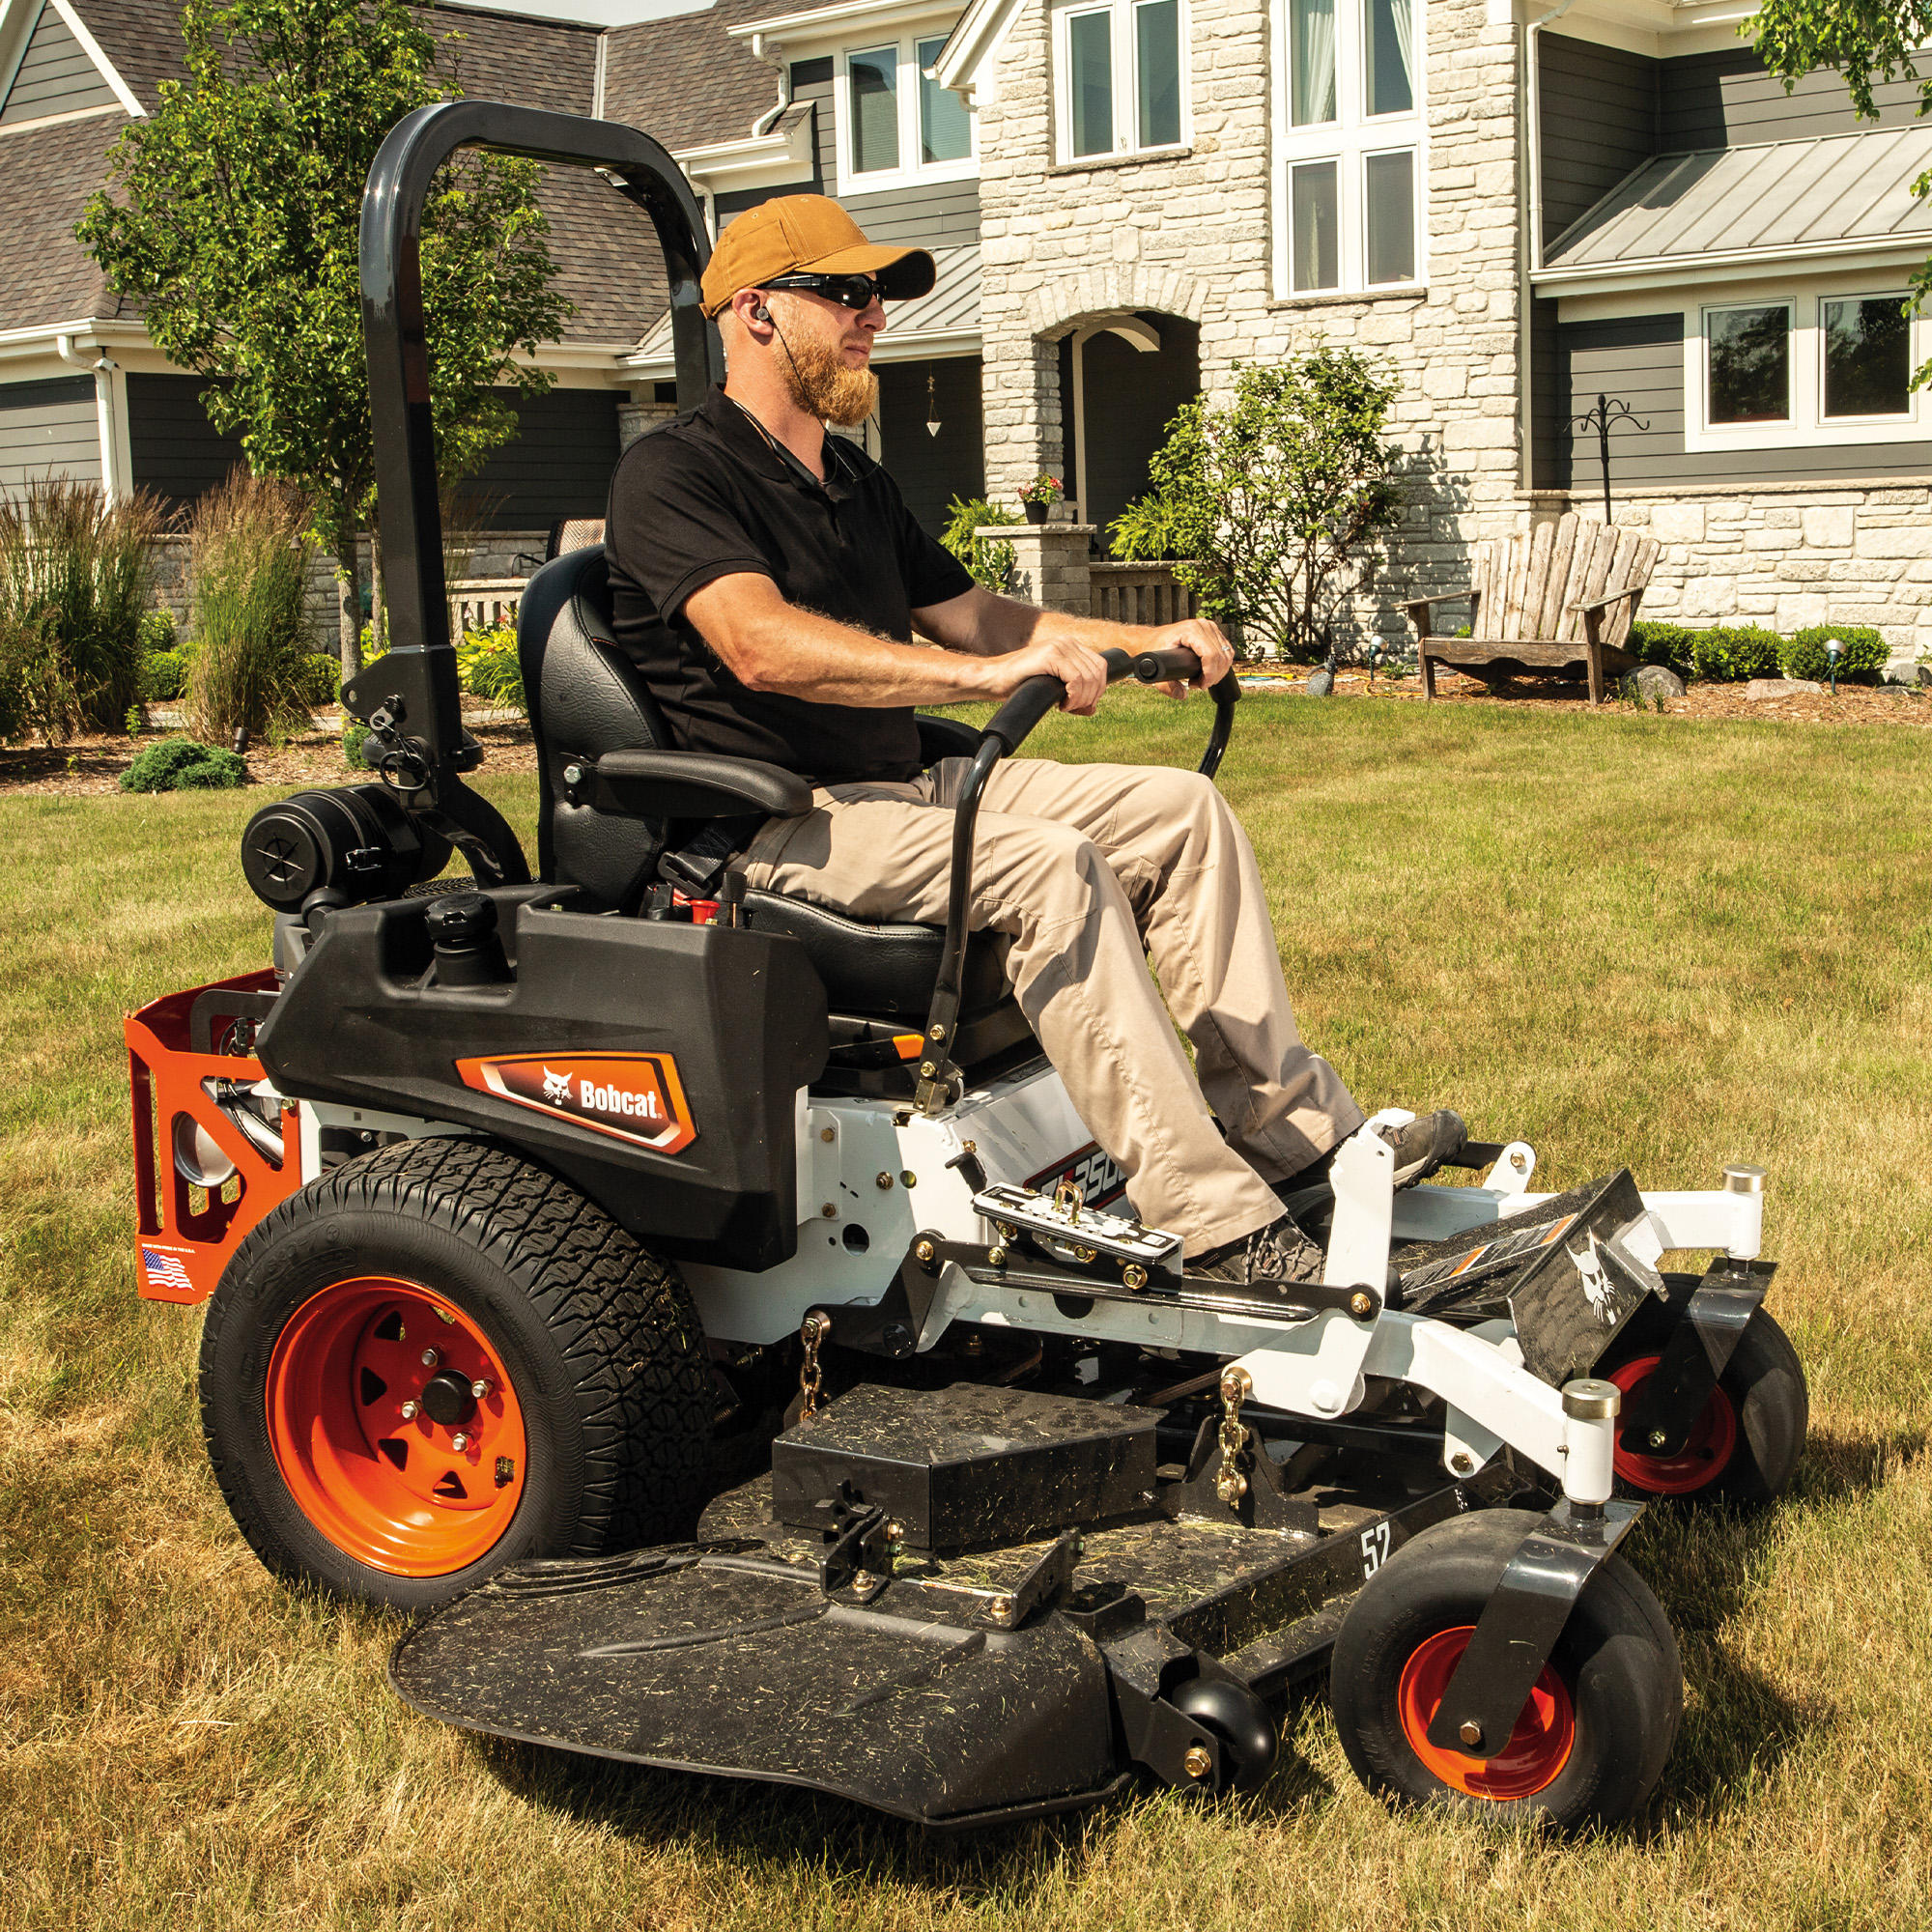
555	1087
1599	1290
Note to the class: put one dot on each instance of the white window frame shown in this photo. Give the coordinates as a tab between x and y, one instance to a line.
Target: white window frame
910	170
1349	140
1808	427
1125	50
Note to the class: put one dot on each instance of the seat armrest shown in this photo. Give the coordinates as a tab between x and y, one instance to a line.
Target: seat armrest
1440	597
1614	597
945	738
696	784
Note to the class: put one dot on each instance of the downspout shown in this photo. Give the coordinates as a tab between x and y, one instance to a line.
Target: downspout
1532	228
772	53
104	371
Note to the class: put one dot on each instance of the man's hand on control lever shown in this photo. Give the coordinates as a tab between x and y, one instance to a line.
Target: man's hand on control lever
1080	668
1204	639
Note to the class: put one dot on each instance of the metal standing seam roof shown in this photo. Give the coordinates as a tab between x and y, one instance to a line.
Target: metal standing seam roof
951	307
1781	195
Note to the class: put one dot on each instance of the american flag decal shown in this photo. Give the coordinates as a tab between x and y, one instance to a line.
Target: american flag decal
166	1271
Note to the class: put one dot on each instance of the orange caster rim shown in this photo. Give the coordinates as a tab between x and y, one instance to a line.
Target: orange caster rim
1538	1747
1707	1450
396	1427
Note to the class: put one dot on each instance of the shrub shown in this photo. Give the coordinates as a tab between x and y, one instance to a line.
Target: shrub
158	631
248	557
487	664
320	676
1728	653
1659	643
77	576
1279	504
1862	660
183	764
163	676
991	564
353	739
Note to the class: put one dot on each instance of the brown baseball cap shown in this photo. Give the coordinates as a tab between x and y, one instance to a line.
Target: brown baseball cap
807	234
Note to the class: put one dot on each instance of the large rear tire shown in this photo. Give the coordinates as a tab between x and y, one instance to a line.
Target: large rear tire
1592	1739
436	1360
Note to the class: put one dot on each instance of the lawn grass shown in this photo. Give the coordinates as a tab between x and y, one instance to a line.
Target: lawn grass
1625	938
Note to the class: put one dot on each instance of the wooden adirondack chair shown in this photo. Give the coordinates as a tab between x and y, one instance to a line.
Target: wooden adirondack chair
1567	593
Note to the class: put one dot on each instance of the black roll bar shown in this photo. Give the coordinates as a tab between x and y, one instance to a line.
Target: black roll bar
1002	737
410	696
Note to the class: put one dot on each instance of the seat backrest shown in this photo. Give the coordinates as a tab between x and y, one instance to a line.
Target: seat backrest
569	534
586	698
1531	586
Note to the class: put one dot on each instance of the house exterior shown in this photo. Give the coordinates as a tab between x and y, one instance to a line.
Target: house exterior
1522	207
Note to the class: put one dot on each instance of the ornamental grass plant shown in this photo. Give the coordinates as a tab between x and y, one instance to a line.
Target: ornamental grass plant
248	561
77	577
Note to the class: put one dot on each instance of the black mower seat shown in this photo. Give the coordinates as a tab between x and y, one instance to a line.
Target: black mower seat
586	699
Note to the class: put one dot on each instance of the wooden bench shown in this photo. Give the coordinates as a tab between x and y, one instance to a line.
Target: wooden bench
1565	594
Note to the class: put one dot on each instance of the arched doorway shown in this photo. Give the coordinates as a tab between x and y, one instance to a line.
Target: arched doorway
1122	379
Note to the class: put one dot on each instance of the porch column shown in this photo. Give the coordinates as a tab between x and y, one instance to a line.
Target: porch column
1049	563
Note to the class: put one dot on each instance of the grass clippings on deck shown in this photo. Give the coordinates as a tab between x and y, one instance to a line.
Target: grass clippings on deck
1624	939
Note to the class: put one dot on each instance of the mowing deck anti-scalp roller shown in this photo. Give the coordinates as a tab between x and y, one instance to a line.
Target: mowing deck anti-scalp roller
711	1309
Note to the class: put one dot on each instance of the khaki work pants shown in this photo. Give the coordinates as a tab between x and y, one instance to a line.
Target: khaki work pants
1092	871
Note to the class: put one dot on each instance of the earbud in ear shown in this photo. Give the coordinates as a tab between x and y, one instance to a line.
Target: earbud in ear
761	313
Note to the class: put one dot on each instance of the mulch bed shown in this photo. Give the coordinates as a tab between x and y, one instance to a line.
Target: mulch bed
92	767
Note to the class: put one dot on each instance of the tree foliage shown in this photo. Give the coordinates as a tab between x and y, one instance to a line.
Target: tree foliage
1867	42
1269	503
233	216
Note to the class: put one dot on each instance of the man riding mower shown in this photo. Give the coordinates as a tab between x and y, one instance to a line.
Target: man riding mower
708	1289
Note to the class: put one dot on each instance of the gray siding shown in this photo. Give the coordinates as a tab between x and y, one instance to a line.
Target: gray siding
559	466
55	76
49	428
1597	115
1727	100
173	449
931	470
1640	360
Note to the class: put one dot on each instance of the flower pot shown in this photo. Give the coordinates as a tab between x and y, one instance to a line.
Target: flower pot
1036	513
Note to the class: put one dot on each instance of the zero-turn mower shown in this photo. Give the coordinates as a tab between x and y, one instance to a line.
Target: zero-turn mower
709	1309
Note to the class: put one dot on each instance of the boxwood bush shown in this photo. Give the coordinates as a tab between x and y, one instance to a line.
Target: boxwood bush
1661	643
1862	663
163	676
183	764
1728	653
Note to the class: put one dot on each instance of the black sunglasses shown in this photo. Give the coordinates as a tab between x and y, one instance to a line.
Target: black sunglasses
853	291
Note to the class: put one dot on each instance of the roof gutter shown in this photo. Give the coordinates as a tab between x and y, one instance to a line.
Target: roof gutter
772	52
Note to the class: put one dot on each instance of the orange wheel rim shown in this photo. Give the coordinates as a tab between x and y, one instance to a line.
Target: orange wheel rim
1538	1747
396	1459
1707	1450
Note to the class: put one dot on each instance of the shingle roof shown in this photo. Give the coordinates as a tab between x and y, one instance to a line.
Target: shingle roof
684	82
45	176
606	250
1779	196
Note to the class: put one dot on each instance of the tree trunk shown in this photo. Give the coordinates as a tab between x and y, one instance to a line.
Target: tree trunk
348	594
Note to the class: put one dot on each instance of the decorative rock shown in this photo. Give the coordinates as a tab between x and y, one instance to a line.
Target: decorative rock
1779	687
1320	683
1653	681
1911	675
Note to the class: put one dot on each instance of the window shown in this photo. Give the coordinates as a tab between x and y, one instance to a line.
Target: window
1119	77
1868	356
1804	369
895	125
1750	363
1350	140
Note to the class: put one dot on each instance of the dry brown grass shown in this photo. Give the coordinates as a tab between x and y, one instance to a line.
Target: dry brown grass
1633	939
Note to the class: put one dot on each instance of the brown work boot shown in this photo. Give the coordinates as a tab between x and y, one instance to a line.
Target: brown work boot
1422	1147
1263	1263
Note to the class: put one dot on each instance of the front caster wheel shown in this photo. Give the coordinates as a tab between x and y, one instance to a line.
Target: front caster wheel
1744	1447
1590	1744
1249	1736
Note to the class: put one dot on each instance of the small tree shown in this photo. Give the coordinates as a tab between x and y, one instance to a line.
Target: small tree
1267	503
1866	40
235	222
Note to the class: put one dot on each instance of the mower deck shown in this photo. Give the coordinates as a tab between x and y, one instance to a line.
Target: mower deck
949	1687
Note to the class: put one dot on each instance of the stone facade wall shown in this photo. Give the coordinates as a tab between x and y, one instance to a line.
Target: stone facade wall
1787	555
1192	236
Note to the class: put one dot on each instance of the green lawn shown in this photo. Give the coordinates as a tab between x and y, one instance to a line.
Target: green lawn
1625	938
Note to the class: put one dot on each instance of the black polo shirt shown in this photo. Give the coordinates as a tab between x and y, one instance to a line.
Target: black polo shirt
708	496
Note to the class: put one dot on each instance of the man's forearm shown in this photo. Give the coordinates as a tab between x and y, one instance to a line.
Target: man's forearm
1009	625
